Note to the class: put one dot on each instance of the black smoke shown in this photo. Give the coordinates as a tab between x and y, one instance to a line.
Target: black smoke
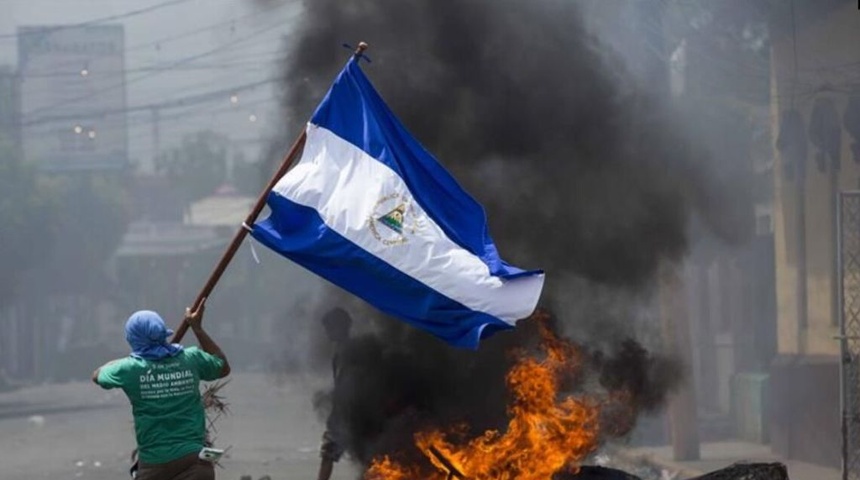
579	172
583	173
396	384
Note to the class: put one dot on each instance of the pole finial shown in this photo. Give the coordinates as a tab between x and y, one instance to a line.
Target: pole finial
362	46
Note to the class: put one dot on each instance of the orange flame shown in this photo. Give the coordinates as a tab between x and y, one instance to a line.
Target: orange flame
545	434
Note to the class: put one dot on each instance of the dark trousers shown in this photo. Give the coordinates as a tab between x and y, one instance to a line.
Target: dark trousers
188	467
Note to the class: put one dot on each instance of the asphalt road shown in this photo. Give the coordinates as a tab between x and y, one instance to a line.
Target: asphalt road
78	430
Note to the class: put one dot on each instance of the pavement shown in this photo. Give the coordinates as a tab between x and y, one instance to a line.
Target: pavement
717	455
79	431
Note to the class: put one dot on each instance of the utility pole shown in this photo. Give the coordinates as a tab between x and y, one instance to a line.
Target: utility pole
800	235
156	134
674	310
673	299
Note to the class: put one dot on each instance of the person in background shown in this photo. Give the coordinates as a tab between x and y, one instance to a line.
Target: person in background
162	381
337	323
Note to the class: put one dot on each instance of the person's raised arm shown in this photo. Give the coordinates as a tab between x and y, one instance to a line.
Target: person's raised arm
195	321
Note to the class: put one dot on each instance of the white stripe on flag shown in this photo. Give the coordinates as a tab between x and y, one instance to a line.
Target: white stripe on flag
349	189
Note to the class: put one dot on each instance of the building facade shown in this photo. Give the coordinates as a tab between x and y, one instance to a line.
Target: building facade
73	97
815	84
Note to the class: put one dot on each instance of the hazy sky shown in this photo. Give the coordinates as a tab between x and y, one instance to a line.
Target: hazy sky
237	44
238	41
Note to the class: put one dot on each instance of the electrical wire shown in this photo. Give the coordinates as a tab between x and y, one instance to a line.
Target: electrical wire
204	97
232	21
244	60
180	62
88	23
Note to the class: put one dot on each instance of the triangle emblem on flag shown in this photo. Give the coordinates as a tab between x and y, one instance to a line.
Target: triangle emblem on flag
394	218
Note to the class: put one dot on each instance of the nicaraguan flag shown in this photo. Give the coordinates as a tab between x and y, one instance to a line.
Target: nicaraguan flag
369	209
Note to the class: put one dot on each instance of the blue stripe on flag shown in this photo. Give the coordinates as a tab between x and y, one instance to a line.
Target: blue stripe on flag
299	233
355	112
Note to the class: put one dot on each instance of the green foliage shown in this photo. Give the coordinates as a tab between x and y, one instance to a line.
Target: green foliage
198	166
90	222
248	177
59	230
27	213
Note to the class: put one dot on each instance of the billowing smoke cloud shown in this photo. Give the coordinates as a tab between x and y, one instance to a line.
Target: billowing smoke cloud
403	381
582	174
517	100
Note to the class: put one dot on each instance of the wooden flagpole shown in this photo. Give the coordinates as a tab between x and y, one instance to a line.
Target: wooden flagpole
246	225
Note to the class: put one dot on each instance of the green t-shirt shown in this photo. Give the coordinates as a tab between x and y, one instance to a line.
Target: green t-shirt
169	421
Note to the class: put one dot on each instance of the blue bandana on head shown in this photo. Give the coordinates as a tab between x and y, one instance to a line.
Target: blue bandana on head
147	335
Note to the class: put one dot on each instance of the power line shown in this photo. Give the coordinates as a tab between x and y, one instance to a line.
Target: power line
158	94
40	31
253	59
794	50
210	111
170	66
191	33
137	127
175	103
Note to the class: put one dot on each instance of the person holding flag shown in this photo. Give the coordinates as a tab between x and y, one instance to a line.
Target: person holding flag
370	210
161	380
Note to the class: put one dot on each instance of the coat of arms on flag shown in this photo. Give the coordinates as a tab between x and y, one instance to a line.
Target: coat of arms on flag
370	210
398	215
